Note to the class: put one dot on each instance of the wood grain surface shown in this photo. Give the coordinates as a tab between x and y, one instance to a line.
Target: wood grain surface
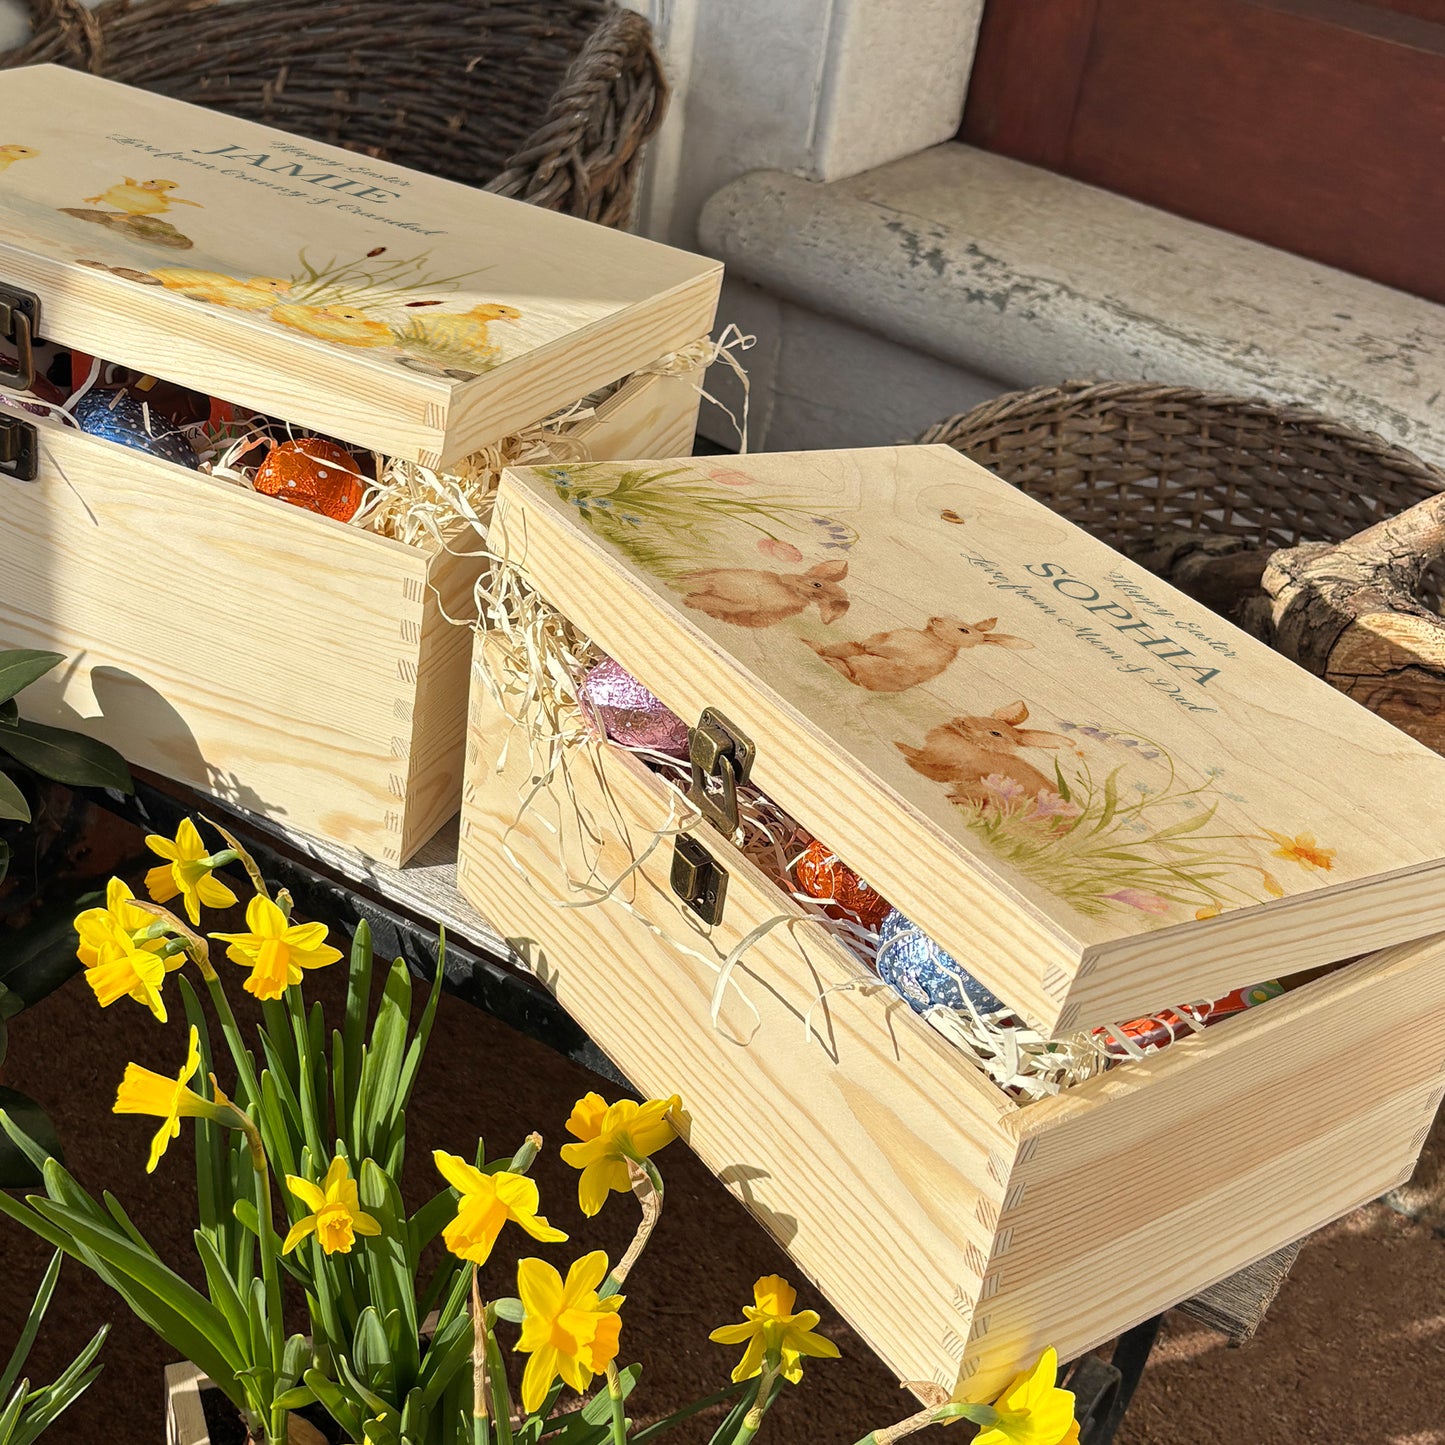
391	309
1229	818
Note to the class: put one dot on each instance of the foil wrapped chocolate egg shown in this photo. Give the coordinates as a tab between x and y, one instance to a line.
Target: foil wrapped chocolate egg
923	973
314	473
1158	1030
116	416
630	714
822	874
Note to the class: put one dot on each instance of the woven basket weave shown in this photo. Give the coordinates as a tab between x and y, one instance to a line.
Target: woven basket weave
551	101
1326	541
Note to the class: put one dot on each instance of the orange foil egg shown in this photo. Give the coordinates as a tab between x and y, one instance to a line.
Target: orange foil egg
821	874
312	473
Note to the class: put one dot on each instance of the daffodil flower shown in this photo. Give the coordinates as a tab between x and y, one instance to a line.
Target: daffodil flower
610	1135
120	920
276	950
187	872
489	1202
336	1216
144	1092
121	970
569	1332
1031	1411
771	1328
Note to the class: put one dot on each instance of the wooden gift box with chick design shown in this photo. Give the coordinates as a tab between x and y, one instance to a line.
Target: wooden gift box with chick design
1099	798
297	665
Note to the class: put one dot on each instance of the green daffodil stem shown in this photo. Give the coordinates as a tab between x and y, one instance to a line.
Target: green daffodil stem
933	1415
270	1249
769	1383
618	1402
219	860
247	1086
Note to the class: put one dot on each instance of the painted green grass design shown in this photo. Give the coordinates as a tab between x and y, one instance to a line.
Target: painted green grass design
671	522
1150	852
371	281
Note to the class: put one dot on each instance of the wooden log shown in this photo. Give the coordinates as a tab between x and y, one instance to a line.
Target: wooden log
1359	615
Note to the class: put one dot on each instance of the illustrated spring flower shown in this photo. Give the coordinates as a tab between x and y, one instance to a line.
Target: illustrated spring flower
122	970
1137	898
1302	849
771	1327
1050	804
610	1135
567	1330
143	1091
780	551
1032	1410
489	1202
276	950
120	920
187	872
336	1216
1003	789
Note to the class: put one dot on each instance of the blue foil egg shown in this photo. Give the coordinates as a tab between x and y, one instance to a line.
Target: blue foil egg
119	417
923	973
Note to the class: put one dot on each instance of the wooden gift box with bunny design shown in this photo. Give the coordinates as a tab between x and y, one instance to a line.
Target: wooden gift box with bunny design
297	665
1099	798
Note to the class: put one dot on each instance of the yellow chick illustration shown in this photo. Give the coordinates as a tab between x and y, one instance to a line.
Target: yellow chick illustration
347	325
255	293
466	332
141	198
12	153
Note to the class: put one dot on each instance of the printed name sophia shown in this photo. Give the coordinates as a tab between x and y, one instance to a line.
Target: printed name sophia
1132	628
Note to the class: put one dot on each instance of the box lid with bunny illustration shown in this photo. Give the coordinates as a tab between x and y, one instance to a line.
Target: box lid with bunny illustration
1096	794
392	309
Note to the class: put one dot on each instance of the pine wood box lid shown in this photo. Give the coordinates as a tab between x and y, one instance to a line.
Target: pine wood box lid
388	308
1097	795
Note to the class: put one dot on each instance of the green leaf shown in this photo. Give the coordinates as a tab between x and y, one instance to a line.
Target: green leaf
17	1171
12	800
1179	829
21	666
11	1373
41	956
9	713
66	757
510	1310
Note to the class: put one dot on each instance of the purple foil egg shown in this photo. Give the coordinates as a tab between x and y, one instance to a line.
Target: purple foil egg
631	715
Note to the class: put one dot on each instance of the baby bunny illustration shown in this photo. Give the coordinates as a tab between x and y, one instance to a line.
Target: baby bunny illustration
752	597
894	661
141	198
966	750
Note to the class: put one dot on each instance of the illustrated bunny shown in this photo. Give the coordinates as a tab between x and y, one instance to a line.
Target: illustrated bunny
966	750
894	661
752	597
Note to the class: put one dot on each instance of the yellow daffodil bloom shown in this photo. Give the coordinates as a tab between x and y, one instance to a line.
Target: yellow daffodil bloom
121	970
610	1135
276	950
771	1327
1302	849
185	873
488	1203
336	1216
1033	1410
120	920
569	1332
145	1092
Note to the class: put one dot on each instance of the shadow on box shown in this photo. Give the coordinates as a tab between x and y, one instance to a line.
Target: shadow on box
146	711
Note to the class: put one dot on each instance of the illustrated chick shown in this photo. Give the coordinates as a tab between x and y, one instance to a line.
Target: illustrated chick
466	332
347	325
141	198
12	153
255	293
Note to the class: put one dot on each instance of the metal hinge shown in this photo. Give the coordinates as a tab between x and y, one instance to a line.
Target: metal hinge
20	326
722	758
18	450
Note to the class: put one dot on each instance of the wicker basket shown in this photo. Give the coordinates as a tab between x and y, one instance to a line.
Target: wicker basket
1325	540
547	100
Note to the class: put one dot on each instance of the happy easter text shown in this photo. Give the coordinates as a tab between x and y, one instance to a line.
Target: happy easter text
1112	627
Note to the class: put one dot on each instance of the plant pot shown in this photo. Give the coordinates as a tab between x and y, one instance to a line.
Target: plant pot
197	1413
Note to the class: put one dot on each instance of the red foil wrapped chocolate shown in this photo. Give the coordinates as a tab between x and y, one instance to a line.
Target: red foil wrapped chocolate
311	472
1163	1028
821	874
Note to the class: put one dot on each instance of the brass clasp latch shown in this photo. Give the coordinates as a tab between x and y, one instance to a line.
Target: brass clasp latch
17	449
20	326
722	758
